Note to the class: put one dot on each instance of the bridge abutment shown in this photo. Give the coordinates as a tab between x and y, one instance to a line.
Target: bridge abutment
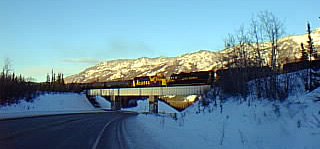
115	103
153	104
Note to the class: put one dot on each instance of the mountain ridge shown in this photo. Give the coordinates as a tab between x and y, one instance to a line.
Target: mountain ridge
200	60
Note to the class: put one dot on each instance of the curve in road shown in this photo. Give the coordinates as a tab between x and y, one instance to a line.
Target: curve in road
89	131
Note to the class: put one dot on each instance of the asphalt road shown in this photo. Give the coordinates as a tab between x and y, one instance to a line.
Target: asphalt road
88	131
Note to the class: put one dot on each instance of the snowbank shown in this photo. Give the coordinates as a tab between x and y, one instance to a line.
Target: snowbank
143	106
48	104
248	123
191	98
165	108
103	103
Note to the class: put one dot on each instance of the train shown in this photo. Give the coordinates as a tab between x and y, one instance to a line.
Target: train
180	79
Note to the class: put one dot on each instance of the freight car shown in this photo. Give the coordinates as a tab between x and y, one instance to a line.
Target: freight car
244	74
112	84
192	78
295	66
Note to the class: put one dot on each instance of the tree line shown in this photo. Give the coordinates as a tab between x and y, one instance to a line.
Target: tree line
14	87
55	83
245	59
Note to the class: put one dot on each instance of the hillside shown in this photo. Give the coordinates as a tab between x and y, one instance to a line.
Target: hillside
202	60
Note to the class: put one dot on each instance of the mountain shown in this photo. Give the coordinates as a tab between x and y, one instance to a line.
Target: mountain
130	68
202	60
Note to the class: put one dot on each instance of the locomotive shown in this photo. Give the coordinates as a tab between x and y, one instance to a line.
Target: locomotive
156	80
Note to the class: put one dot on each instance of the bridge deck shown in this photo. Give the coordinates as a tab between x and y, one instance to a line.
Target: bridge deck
151	91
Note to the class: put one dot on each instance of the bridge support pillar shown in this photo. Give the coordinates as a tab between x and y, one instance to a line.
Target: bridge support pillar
153	104
115	103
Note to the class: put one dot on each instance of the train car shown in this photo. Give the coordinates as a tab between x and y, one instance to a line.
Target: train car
244	74
192	78
118	84
97	85
295	66
111	84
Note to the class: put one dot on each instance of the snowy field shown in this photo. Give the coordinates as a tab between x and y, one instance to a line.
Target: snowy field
48	104
294	123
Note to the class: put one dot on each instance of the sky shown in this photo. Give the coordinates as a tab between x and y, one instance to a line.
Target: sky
71	35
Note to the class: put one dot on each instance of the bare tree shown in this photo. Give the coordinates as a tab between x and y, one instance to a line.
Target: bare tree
7	67
273	30
30	79
235	77
256	35
243	41
230	43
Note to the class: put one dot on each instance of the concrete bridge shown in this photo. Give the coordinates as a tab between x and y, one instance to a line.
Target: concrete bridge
118	95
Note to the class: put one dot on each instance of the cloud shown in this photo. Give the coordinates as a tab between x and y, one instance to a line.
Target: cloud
87	60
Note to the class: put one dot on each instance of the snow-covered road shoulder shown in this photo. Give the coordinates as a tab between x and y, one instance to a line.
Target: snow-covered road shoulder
293	123
48	104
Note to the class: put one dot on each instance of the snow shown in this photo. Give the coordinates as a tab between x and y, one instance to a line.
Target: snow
165	108
103	103
143	107
248	123
48	104
295	125
191	98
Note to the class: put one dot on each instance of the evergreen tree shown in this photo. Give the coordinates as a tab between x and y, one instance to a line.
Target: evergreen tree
58	78
48	78
304	54
13	77
52	77
308	54
312	52
62	79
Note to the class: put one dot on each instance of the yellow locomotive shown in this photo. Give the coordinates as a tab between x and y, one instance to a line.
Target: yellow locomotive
156	80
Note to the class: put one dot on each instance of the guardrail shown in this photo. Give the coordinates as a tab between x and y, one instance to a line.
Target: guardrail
151	91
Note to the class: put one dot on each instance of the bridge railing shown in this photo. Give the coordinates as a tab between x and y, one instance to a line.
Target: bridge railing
151	91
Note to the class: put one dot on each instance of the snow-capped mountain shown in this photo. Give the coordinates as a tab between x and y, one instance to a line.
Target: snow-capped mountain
202	60
130	68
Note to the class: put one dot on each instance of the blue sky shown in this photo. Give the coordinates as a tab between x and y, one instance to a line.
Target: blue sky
70	35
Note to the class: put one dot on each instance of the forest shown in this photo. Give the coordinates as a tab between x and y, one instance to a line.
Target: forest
14	87
243	66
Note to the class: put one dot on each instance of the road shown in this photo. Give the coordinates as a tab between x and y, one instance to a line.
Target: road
88	131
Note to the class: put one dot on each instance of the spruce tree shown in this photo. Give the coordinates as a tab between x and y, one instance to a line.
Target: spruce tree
304	54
